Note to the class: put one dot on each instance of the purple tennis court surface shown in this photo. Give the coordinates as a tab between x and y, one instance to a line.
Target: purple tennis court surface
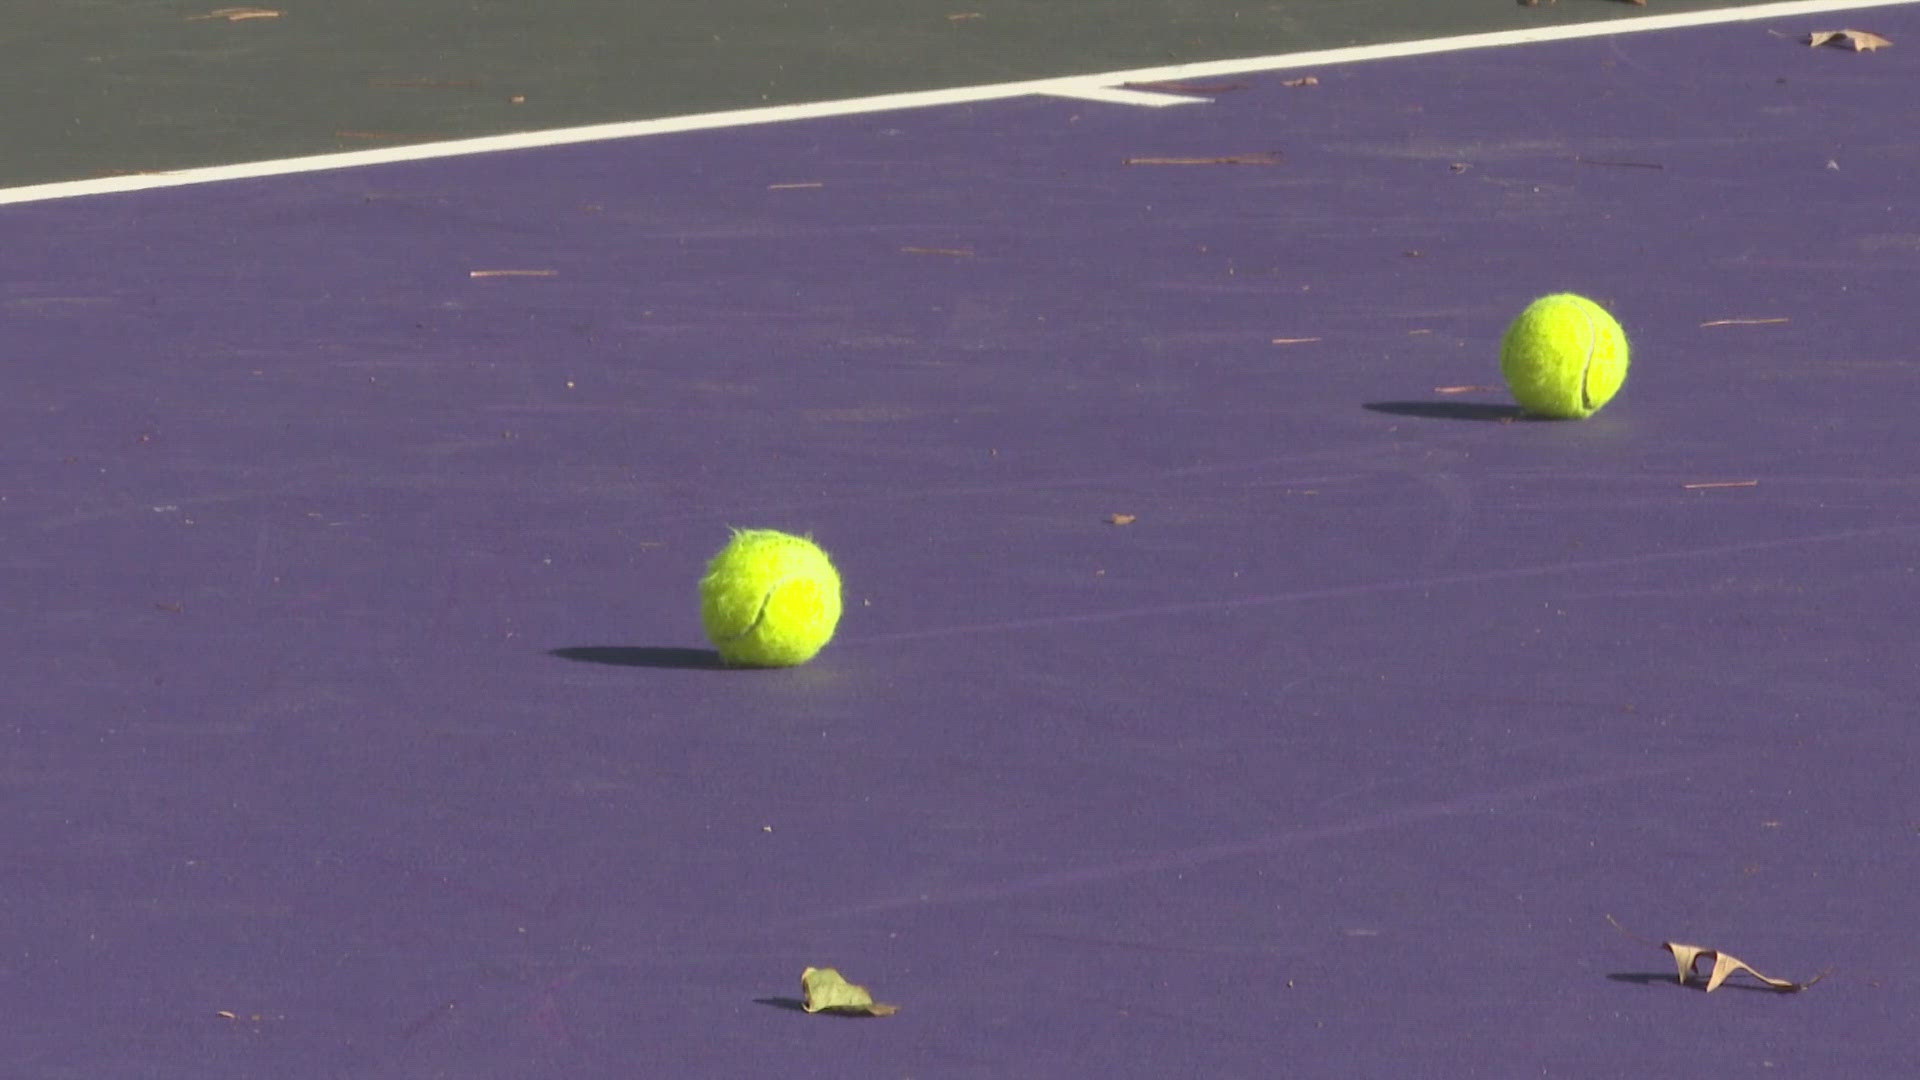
362	725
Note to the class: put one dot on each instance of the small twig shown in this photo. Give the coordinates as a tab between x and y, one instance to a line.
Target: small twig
512	273
235	14
424	135
1702	485
425	84
1231	159
1744	322
1620	164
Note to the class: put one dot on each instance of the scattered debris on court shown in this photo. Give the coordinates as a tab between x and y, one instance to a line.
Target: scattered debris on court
1724	966
1304	80
1857	40
827	991
1295	340
1703	485
1122	519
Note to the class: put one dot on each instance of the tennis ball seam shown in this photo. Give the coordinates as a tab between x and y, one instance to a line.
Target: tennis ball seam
760	613
1586	366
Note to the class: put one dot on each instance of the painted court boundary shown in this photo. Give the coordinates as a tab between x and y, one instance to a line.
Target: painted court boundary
1100	87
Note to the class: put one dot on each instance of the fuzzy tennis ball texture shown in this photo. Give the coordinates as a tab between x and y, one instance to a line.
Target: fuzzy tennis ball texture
769	599
1564	357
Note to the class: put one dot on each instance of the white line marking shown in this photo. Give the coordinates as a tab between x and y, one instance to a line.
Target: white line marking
1120	95
1068	86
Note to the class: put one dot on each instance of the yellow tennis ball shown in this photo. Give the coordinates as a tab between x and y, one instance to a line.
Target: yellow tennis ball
769	599
1564	357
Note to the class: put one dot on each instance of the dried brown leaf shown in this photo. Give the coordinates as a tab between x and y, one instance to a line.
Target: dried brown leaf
1857	40
1122	519
1304	80
1725	966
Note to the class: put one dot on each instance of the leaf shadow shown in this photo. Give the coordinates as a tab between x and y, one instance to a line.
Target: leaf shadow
646	656
796	1005
1665	978
1450	410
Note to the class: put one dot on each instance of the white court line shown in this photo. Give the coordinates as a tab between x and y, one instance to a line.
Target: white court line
1121	95
1068	86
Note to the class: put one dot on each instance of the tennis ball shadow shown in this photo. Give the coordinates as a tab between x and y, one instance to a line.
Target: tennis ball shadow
642	656
1450	410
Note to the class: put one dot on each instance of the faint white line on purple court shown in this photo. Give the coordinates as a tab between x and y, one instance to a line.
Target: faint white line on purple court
1080	86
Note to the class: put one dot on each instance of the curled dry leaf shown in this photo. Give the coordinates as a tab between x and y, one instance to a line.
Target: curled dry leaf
1686	957
827	991
1857	40
1122	519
